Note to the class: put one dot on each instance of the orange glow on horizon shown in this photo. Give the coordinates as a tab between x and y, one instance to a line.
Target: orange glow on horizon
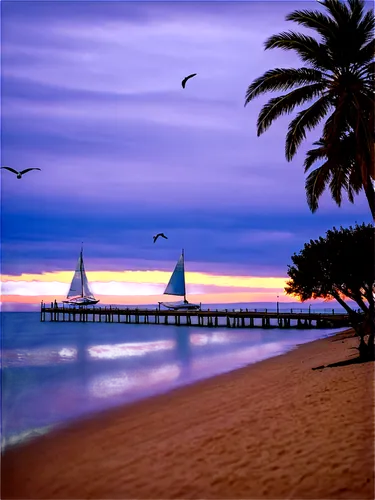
159	277
222	289
219	289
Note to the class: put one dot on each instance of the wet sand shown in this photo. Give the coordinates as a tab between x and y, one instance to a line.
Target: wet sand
276	429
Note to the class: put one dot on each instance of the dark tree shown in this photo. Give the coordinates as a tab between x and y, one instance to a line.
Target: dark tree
337	82
340	266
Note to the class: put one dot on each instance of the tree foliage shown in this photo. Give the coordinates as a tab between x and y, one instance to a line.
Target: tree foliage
337	79
339	266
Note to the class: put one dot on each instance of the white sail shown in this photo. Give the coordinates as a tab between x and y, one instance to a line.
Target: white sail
79	291
76	289
85	284
176	285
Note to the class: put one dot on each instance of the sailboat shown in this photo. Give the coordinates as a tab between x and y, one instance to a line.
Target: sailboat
176	286
79	292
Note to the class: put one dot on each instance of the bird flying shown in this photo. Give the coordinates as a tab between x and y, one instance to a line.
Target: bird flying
157	236
183	83
20	174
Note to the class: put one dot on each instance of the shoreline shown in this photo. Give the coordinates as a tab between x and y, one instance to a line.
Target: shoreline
273	429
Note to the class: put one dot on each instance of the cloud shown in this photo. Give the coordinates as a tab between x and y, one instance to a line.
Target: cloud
55	288
217	241
36	288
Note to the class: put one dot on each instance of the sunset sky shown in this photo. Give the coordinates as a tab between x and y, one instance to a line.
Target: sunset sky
91	94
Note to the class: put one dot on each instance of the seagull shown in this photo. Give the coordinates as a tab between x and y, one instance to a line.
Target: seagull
20	174
183	83
157	236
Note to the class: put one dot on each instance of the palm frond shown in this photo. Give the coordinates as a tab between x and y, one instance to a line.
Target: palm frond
355	35
338	10
314	20
356	9
350	194
313	155
315	185
367	26
285	104
305	120
309	49
360	20
367	52
345	172
366	71
338	183
364	135
355	179
337	124
282	79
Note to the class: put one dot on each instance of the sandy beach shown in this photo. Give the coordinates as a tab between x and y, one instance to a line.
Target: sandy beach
276	429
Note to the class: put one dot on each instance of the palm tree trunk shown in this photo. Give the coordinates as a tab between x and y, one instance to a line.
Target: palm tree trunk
367	351
371	338
370	195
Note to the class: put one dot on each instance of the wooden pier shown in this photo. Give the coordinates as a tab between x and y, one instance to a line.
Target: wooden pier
243	318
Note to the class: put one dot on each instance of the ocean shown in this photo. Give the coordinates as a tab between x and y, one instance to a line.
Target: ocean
54	373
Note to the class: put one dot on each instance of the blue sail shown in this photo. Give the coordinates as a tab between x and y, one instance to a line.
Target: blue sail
176	285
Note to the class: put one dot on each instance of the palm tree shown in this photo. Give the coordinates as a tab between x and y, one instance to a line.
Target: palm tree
338	77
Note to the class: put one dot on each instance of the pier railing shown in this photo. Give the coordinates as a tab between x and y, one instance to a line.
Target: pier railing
240	318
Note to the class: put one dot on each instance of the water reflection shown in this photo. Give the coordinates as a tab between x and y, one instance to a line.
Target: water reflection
129	349
85	350
117	383
55	375
183	353
82	352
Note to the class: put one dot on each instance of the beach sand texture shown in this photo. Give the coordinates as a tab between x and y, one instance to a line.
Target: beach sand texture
276	429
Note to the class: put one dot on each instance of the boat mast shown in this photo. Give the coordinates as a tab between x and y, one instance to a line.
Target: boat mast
80	268
183	262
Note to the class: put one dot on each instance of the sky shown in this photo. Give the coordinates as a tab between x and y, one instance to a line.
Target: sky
91	94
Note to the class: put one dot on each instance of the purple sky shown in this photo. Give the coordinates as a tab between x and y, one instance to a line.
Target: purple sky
91	94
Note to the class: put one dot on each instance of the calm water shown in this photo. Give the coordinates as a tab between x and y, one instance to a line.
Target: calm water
56	372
